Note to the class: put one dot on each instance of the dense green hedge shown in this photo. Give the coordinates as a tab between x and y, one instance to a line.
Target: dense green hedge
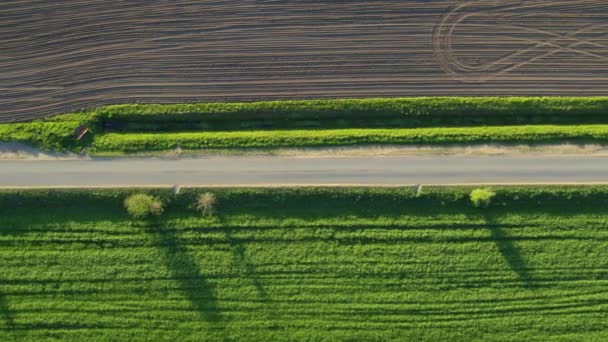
397	107
141	142
344	113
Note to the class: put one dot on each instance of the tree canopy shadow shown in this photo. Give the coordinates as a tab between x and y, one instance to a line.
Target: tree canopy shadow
193	283
510	252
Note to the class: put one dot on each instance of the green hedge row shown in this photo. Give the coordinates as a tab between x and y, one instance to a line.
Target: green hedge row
141	142
396	112
397	107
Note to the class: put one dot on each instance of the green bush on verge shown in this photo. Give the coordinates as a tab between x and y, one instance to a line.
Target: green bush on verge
482	198
142	206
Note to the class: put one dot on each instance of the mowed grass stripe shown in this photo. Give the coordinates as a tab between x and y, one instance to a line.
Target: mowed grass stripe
141	142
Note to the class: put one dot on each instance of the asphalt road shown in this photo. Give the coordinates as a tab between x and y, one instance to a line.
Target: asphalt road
305	171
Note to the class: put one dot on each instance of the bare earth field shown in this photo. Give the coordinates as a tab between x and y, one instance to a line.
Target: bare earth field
62	55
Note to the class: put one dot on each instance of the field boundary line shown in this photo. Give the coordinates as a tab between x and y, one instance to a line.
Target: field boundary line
294	185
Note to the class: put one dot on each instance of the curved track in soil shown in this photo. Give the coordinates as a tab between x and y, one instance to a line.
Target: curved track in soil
62	55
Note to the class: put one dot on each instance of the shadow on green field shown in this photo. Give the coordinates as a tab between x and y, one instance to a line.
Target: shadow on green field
187	273
512	255
6	312
249	271
246	265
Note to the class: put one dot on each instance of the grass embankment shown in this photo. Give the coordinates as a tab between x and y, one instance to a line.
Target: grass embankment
141	142
139	128
313	264
47	135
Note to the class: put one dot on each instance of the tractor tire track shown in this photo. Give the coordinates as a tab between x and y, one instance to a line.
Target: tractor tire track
64	55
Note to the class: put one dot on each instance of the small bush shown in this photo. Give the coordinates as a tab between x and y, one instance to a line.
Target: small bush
207	203
482	198
142	206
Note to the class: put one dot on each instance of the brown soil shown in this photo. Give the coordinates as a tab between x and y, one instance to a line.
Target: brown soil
62	55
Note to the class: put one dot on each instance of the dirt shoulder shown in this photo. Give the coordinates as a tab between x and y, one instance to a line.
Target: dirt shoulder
387	151
18	151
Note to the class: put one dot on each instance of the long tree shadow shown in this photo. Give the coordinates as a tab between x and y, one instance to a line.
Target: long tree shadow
249	270
186	271
6	312
248	267
509	251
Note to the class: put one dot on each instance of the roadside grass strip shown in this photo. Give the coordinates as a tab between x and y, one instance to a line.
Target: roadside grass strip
140	142
310	123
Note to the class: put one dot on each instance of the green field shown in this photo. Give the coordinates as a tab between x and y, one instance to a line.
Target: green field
134	128
307	264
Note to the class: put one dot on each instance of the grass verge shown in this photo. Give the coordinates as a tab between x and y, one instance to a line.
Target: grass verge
311	123
141	142
316	264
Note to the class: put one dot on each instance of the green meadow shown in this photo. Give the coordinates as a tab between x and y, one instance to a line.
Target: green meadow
307	264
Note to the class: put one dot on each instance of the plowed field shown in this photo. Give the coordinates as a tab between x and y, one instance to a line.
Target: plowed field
63	55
